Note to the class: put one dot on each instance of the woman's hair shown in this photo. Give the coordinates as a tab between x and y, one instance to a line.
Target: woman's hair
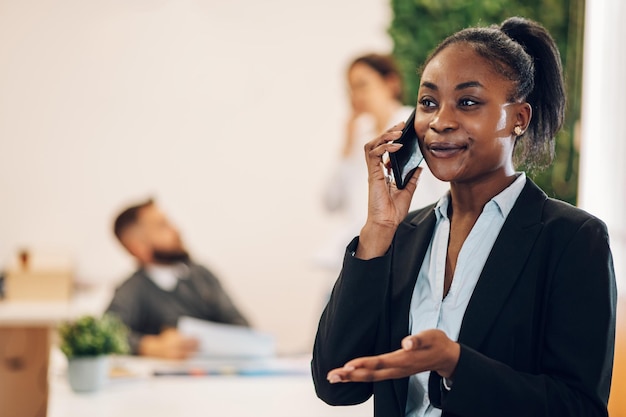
384	65
523	51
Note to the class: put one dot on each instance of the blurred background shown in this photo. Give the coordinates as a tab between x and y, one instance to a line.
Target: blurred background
230	114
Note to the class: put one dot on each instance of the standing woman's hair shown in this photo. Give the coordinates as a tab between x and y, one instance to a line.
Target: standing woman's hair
523	51
386	67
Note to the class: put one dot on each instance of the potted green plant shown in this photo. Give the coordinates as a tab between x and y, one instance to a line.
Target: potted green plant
88	342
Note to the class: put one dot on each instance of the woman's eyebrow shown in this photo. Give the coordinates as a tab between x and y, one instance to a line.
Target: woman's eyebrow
468	84
462	86
429	85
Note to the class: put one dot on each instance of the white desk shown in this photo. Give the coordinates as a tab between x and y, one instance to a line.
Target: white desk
201	396
144	395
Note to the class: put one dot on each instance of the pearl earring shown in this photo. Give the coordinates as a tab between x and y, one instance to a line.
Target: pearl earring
518	131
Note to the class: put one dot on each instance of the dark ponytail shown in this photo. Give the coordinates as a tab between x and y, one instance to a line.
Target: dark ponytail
523	51
548	95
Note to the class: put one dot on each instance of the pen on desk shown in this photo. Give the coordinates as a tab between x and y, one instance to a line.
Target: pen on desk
195	372
179	372
225	372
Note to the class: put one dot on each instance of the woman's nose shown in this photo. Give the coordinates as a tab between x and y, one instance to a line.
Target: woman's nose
444	120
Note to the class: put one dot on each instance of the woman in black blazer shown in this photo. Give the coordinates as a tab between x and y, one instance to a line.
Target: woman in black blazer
535	334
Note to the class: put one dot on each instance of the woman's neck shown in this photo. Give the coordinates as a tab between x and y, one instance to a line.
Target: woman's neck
469	199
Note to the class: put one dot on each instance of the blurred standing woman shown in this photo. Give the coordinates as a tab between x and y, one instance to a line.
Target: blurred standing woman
497	300
376	89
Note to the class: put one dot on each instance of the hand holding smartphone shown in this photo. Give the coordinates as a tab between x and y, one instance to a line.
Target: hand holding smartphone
404	161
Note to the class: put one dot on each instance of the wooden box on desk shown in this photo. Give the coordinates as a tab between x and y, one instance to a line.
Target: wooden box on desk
41	284
25	338
24	353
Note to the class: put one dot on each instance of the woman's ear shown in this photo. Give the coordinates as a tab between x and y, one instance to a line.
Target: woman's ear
523	115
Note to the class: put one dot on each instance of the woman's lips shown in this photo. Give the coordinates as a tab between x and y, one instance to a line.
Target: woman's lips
445	150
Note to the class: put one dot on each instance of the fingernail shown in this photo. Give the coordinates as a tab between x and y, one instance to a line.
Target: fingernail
349	368
334	379
407	344
396	145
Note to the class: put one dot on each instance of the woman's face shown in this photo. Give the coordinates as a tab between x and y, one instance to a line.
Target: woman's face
463	119
368	89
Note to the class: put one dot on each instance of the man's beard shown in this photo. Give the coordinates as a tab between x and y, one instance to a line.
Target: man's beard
170	257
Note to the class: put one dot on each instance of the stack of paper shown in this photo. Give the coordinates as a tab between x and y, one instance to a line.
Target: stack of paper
217	340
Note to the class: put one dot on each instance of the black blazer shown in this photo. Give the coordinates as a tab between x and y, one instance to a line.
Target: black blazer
537	337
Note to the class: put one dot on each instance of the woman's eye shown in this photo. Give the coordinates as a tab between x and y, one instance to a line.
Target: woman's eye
425	102
468	102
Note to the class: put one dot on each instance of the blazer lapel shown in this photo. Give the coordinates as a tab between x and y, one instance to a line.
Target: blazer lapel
411	242
504	265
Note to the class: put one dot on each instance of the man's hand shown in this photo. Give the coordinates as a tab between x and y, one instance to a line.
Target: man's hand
430	350
170	344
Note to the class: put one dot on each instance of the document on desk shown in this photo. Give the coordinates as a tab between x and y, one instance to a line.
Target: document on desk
218	340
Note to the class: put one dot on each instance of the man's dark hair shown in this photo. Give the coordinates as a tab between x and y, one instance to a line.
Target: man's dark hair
128	218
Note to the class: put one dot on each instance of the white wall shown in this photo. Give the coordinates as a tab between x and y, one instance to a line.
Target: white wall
228	112
603	149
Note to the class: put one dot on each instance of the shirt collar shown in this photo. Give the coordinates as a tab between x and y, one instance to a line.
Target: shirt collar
504	201
507	198
166	276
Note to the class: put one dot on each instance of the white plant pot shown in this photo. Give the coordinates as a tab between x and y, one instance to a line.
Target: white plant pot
88	374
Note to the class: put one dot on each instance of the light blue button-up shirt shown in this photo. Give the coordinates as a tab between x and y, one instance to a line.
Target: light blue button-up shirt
429	309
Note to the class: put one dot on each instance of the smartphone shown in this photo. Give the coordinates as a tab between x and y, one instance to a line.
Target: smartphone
405	161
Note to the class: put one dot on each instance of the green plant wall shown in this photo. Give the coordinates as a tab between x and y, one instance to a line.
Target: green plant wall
419	25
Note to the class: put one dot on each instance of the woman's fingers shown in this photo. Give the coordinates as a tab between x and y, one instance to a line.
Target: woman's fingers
376	150
375	375
375	153
444	354
421	340
373	147
372	368
411	186
430	350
